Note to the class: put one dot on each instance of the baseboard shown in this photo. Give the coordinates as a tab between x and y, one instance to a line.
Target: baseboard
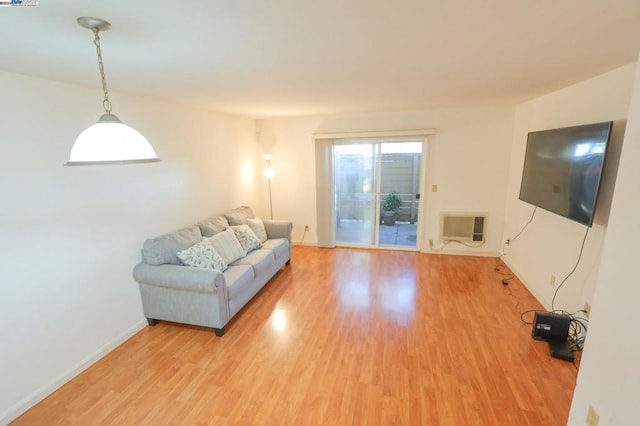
447	252
26	403
463	253
535	294
303	243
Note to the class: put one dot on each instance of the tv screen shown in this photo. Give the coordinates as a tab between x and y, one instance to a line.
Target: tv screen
563	167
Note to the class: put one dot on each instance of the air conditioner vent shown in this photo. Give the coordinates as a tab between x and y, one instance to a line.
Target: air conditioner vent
462	226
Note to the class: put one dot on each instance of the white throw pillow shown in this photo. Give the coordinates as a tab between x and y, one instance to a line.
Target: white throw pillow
202	255
228	246
257	226
248	240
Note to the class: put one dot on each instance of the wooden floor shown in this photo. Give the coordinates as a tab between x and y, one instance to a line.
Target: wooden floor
339	337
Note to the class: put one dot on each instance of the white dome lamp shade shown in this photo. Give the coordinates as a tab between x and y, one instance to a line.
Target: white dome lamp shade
109	141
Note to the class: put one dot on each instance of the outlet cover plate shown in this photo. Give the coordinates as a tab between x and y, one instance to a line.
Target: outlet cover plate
592	417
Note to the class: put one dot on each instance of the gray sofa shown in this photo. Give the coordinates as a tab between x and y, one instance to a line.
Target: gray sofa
174	292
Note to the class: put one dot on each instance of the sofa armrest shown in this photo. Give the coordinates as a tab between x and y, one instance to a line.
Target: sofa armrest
278	228
179	277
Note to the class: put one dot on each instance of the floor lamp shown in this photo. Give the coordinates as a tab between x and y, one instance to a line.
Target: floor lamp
269	173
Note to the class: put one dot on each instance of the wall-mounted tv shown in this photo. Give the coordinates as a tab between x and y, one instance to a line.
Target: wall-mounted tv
563	168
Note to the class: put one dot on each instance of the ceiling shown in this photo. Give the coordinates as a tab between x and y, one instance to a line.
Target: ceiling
301	57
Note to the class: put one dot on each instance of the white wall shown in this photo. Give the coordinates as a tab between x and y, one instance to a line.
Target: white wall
550	244
468	160
70	236
609	377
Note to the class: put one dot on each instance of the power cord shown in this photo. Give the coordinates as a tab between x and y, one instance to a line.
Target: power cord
577	329
517	305
456	241
509	241
578	325
500	266
524	321
553	309
577	333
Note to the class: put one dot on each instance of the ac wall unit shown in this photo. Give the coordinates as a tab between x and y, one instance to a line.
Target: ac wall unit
462	226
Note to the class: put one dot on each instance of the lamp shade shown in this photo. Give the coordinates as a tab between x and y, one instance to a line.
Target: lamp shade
110	141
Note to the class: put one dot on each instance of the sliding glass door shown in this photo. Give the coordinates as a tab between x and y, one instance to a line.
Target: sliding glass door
377	193
355	181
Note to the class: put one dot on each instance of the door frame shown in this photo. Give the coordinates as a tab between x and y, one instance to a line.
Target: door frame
377	167
324	176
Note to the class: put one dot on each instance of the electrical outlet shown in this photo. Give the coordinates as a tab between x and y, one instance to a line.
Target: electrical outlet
587	309
430	243
552	281
434	188
306	228
592	417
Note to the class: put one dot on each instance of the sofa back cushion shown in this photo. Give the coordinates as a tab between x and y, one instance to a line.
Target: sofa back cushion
239	216
163	249
212	226
257	226
228	246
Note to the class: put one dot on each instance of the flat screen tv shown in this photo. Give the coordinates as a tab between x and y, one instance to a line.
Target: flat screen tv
563	168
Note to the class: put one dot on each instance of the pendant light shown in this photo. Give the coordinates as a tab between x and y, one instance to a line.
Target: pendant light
109	141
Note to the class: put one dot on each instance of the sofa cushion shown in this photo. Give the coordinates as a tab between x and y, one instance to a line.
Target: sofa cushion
213	225
163	249
257	226
228	246
280	246
261	260
236	277
247	238
239	216
202	255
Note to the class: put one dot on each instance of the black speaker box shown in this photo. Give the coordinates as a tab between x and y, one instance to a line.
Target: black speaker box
549	326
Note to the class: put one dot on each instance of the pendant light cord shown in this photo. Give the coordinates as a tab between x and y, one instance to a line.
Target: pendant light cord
105	103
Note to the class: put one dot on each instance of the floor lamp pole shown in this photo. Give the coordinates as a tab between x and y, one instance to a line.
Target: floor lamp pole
270	203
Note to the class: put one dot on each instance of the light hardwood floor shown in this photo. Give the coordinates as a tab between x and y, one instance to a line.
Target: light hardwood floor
338	337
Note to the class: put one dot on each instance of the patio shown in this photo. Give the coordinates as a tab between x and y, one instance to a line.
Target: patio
359	232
